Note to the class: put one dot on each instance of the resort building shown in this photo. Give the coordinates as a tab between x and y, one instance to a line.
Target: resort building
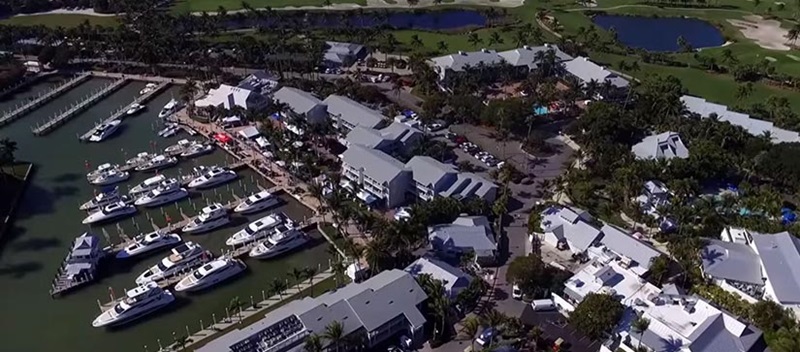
454	279
665	145
377	173
629	252
302	104
655	194
260	82
525	59
338	54
384	307
347	114
228	97
396	137
755	266
753	126
467	234
568	228
433	178
587	71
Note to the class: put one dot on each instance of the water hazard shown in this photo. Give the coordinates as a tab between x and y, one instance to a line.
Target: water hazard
49	219
661	33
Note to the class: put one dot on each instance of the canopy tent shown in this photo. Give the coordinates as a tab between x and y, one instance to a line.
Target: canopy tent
231	121
223	138
262	142
249	132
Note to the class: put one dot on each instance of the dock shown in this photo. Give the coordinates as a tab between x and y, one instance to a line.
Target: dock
122	111
30	79
80	264
43	98
61	118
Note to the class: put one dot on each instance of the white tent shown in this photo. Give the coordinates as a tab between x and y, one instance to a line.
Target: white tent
249	132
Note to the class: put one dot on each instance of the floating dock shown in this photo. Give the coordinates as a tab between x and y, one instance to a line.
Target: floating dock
122	112
62	118
19	111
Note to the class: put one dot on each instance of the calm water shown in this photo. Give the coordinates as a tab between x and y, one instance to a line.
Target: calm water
661	34
428	20
49	219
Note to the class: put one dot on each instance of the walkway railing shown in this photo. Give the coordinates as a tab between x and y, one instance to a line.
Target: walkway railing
122	111
62	117
26	107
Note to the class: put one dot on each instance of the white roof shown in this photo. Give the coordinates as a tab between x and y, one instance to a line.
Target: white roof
587	70
570	225
753	126
611	278
229	96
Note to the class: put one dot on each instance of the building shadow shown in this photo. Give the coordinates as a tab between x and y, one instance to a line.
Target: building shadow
19	270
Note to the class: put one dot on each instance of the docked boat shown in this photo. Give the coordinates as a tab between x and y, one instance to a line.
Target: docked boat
167	192
100	169
140	158
147	243
110	212
104	130
257	202
213	177
169	131
147	185
134	109
179	147
169	108
148	88
211	274
283	239
197	149
137	303
158	162
105	197
210	218
110	177
183	257
257	230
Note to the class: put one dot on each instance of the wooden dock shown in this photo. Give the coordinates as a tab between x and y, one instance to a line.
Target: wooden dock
62	283
61	118
19	111
122	112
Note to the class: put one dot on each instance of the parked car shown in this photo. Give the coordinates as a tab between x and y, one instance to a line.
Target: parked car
516	293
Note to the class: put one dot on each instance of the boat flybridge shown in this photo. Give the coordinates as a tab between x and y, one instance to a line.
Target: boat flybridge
257	202
167	192
148	88
257	230
213	177
183	257
169	108
110	177
284	238
211	274
105	197
197	149
147	243
110	212
134	109
137	303
210	218
179	147
101	169
104	130
170	130
140	158
147	185
158	162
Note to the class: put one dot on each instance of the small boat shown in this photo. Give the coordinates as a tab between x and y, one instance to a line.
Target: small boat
210	218
110	212
169	108
105	197
257	230
169	131
179	147
134	109
215	176
140	158
100	169
284	238
110	177
105	130
147	185
168	191
197	149
257	202
137	303
210	274
185	256
158	162
147	243
148	88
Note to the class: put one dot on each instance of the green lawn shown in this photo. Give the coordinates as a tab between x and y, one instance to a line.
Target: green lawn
59	20
213	5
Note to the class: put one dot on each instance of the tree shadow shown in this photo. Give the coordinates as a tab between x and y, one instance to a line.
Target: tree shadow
36	201
11	234
35	244
20	270
67	178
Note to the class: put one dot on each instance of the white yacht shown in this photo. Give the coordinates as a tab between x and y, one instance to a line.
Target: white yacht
147	185
147	243
179	147
148	88
169	131
140	158
257	202
167	192
104	131
210	218
169	108
158	162
183	257
100	169
138	302
197	149
110	177
213	177
257	230
105	197
110	212
134	109
210	274
284	238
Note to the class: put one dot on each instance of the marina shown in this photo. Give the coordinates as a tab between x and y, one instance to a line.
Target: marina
62	117
123	111
49	220
42	98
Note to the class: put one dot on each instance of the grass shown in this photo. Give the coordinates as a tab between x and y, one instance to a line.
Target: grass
213	5
59	20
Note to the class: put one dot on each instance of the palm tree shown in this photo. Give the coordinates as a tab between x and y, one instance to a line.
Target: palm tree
416	42
470	328
640	325
235	305
441	46
474	39
794	33
334	333
297	275
278	286
520	37
534	335
337	266
744	90
495	38
313	343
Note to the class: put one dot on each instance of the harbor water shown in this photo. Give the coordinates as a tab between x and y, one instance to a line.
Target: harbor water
48	220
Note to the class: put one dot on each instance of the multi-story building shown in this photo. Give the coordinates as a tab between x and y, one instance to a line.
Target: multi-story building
377	173
522	60
347	114
665	145
753	126
433	178
301	104
466	235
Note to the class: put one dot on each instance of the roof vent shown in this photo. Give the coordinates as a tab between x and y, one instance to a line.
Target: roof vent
461	52
485	50
367	302
390	302
526	47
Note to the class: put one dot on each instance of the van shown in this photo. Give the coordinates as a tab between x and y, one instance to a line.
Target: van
543	305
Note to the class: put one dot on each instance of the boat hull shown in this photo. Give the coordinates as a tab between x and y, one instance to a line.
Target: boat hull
124	254
91	219
174	197
206	284
211	184
206	227
257	254
100	322
258	207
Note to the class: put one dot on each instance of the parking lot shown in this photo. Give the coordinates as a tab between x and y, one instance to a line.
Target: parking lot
554	325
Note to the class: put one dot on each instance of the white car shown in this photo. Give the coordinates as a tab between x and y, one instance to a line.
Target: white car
402	214
516	293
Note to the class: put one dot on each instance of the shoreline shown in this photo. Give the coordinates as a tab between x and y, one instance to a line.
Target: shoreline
12	210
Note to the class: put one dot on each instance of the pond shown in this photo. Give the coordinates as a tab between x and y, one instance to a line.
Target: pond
424	20
661	34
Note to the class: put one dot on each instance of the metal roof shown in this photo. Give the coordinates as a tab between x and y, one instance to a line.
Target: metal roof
780	255
624	244
229	96
431	173
400	132
376	164
566	223
369	138
587	71
299	101
527	55
353	112
461	60
753	126
477	238
665	145
450	276
731	261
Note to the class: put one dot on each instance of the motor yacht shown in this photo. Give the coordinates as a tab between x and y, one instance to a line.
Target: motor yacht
183	257
284	238
257	202
213	177
134	109
140	158
210	218
179	147
147	185
110	177
104	130
147	243
167	192
169	108
257	230
137	303
105	197
211	273
110	212
148	88
100	169
197	149
158	162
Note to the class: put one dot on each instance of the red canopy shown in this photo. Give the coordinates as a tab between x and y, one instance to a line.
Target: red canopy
222	138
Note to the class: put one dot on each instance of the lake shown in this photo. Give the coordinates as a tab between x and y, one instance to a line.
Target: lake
661	34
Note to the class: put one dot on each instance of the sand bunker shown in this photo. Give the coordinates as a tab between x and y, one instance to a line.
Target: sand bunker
768	34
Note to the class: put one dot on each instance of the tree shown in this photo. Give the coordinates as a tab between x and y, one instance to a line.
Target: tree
181	342
793	33
235	305
534	335
416	41
441	46
596	315
744	90
659	268
786	340
334	333
639	326
531	275
313	343
474	39
495	38
470	328
770	316
278	286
